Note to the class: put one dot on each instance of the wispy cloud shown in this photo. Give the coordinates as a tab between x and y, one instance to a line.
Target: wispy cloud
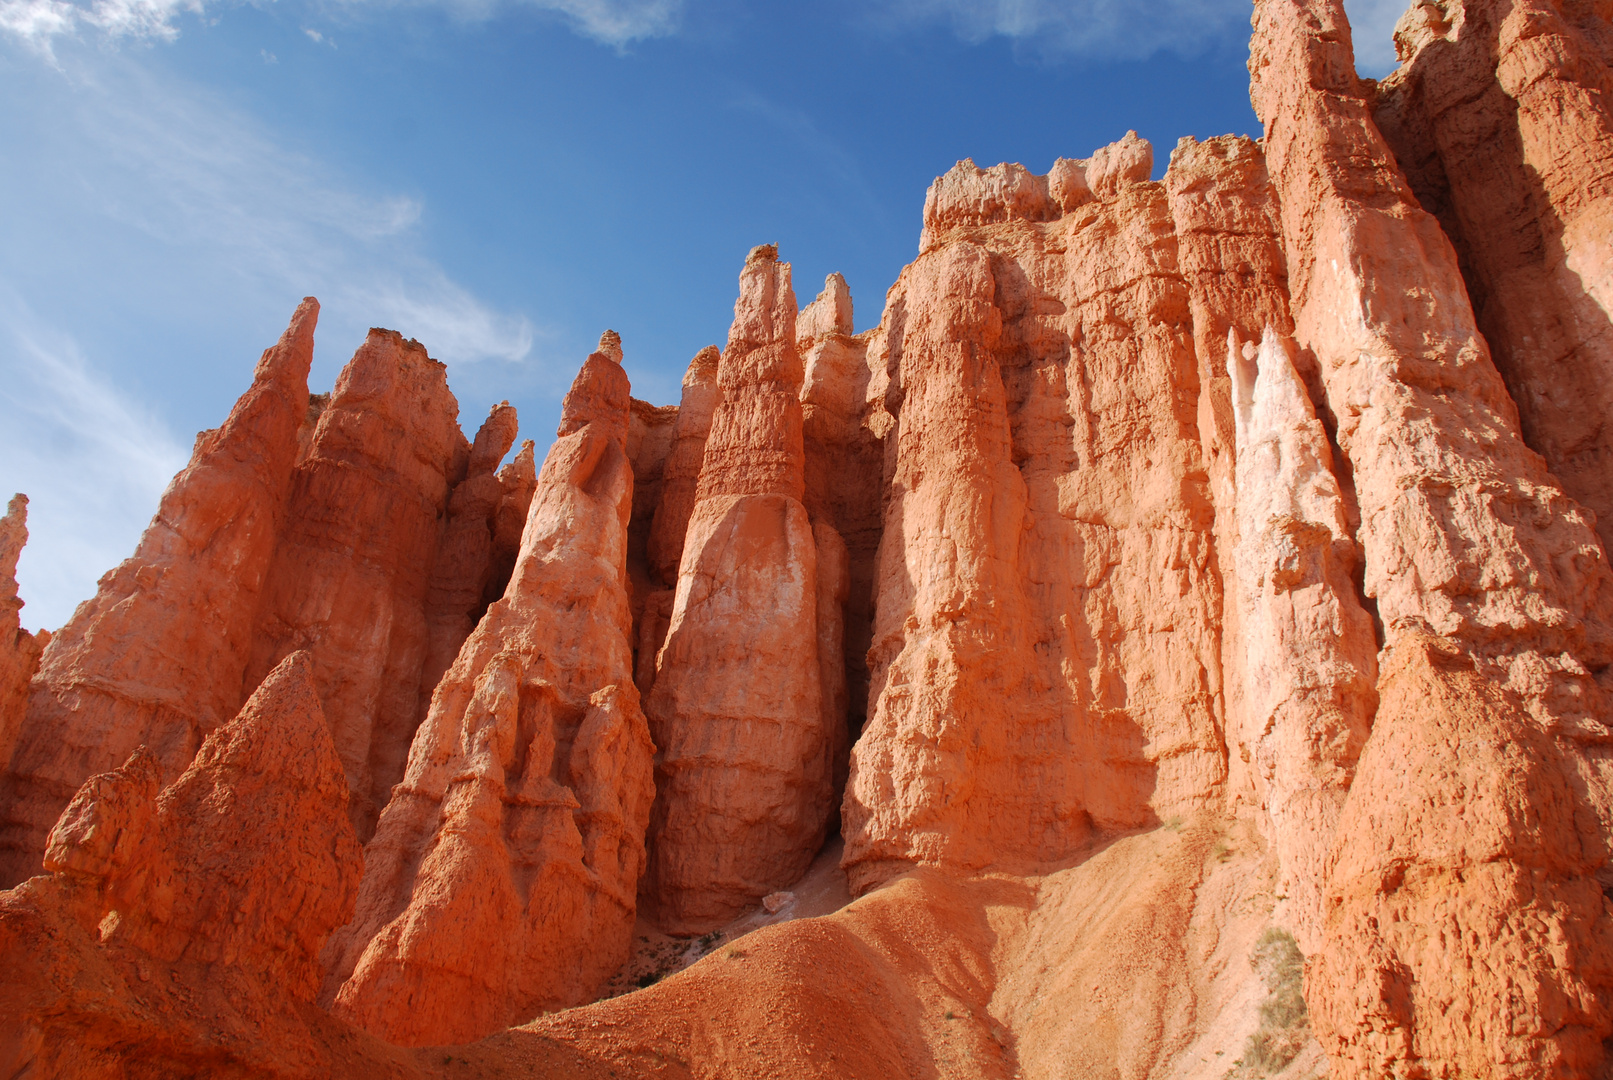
92	461
39	23
207	183
1123	29
216	207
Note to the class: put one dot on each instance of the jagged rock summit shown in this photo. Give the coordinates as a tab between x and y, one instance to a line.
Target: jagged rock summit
1174	642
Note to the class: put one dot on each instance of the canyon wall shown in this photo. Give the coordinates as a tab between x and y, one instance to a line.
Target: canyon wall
1438	891
1183	573
1045	653
1501	116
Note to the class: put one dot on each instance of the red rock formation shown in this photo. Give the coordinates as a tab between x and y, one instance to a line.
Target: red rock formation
157	657
1502	116
502	874
1309	664
352	568
1034	553
19	650
680	477
681	473
463	574
650	436
1468	538
1297	648
844	470
184	928
743	774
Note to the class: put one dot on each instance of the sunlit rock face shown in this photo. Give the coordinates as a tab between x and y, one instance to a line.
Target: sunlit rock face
1181	622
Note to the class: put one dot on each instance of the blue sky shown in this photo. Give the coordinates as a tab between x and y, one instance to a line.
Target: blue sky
502	179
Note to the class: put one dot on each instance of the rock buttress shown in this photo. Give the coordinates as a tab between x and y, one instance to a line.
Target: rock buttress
502	875
1470	899
1045	654
181	931
156	658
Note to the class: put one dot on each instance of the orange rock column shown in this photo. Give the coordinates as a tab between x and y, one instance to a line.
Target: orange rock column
19	650
1466	928
743	771
157	657
933	778
501	879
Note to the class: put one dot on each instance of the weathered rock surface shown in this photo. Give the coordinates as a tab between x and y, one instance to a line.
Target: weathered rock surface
502	874
19	650
1229	251
1309	665
157	657
743	772
465	578
353	564
844	473
1467	539
1034	552
680	474
1502	117
184	928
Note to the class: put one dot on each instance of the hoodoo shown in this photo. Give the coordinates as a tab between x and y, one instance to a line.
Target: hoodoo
1174	643
501	879
743	774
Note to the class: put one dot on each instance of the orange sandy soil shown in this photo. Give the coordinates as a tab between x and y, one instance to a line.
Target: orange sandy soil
1131	960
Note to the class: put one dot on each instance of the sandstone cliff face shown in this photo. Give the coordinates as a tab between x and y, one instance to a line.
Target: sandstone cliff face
502	874
19	650
1502	118
743	772
1468	539
157	657
1048	531
185	927
352	568
1091	545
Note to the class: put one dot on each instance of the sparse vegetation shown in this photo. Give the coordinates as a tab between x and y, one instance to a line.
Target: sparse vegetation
1284	1021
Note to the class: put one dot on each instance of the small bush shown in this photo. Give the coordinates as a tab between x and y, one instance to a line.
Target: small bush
1284	1021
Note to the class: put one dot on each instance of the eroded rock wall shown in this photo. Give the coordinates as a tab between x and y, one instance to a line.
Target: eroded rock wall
179	929
1048	534
1501	116
1489	925
844	489
501	878
156	658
